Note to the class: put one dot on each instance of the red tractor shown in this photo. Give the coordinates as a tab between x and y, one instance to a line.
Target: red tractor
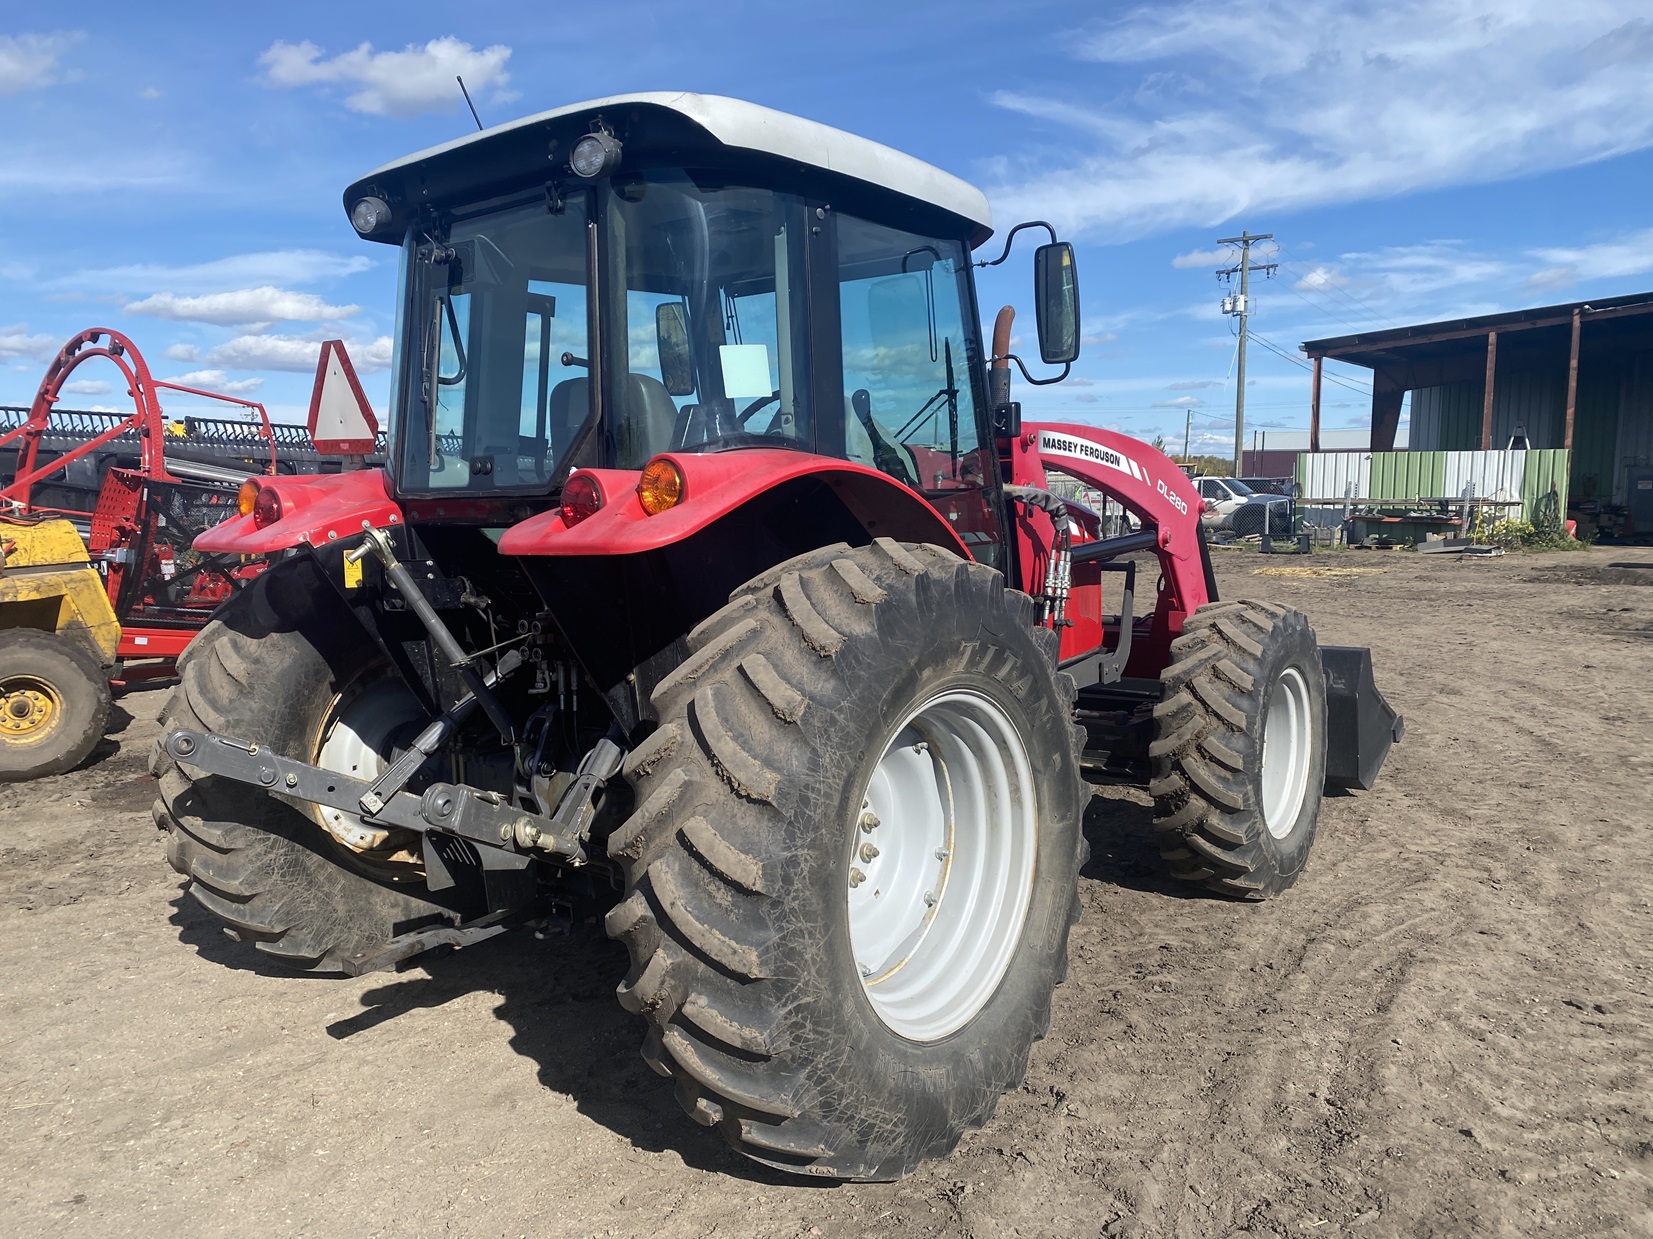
714	571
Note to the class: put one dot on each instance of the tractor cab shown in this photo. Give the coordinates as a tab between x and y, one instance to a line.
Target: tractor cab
598	285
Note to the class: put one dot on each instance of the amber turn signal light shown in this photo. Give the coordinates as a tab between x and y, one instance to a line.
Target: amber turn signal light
661	486
246	497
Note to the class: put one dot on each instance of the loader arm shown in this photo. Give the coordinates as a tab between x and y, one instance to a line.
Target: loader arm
1147	484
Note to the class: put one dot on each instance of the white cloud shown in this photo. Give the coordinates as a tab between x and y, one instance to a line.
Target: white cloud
1313	102
87	387
218	381
265	304
16	342
1179	402
149	92
183	352
1320	279
30	61
1193	385
297	353
98	165
1631	255
237	270
396	84
1204	258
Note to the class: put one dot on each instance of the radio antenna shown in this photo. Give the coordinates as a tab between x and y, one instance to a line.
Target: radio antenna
468	102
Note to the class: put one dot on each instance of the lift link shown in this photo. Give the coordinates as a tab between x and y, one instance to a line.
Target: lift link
375	542
483	817
432	738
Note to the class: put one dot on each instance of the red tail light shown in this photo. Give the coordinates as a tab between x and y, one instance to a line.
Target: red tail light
266	508
581	497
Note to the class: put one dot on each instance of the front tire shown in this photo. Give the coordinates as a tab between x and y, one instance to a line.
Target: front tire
849	716
1238	760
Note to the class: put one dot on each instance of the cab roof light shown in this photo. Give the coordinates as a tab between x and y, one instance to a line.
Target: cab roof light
594	155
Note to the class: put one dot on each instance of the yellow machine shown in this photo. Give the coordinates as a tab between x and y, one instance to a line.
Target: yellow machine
58	638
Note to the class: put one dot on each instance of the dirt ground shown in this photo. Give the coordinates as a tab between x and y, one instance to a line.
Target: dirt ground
1442	1030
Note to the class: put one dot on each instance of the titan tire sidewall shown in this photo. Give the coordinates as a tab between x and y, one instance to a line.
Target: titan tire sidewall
1291	852
887	1083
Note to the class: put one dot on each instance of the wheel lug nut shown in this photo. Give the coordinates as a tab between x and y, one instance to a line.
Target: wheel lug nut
869	821
856	877
921	747
929	899
943	853
868	852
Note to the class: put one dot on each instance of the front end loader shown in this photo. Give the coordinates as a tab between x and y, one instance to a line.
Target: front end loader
715	582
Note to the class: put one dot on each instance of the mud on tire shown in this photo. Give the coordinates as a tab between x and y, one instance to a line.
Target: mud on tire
266	669
748	793
1235	815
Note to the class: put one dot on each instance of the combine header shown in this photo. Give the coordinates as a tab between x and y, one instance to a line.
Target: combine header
712	564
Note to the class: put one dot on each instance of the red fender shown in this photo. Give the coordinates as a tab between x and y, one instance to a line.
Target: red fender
315	508
714	485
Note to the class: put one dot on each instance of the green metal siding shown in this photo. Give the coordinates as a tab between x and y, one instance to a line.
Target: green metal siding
1461	417
1546	467
1596	430
1407	475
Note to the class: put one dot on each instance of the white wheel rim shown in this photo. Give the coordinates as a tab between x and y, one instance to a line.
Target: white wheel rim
1285	752
941	865
357	742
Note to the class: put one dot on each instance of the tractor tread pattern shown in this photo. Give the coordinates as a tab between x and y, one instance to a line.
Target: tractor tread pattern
702	907
1205	741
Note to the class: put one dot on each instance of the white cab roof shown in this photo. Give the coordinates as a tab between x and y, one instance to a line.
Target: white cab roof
749	126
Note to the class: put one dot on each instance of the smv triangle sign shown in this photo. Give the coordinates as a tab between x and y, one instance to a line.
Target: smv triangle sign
341	421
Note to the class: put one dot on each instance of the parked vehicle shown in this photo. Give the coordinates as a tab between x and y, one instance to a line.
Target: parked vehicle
1232	506
714	567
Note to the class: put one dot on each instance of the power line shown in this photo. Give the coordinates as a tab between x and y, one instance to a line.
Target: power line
1298	361
1339	291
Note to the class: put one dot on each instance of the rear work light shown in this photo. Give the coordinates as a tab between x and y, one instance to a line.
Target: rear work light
661	486
581	497
266	507
246	497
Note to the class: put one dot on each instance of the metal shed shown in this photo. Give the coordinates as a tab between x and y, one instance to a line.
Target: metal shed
1577	376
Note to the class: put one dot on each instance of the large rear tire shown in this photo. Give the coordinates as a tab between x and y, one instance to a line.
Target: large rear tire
854	863
54	704
1238	760
270	670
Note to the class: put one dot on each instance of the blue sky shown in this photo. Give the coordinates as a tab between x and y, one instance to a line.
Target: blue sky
177	177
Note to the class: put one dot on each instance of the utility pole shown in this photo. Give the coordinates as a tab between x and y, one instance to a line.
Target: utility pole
1187	427
1241	306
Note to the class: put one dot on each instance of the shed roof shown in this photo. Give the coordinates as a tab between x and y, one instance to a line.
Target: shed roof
1359	348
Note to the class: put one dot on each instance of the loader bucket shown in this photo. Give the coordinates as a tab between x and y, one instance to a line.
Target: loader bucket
1360	725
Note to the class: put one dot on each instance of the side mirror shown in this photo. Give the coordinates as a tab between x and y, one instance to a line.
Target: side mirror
1056	303
671	340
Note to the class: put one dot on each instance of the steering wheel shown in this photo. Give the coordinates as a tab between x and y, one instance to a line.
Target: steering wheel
745	414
